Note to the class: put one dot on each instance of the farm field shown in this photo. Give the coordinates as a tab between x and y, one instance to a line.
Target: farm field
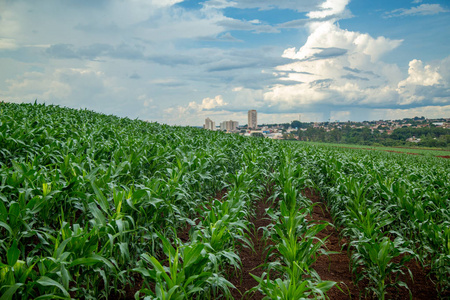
407	150
94	206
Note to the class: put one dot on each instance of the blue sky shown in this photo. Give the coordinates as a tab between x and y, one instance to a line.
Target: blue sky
178	62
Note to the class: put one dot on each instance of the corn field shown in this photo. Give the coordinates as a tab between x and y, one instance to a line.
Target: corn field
94	206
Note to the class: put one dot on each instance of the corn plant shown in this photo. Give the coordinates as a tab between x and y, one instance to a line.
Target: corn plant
377	261
83	195
290	288
186	276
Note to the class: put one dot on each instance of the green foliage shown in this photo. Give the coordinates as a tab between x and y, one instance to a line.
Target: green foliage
430	136
87	200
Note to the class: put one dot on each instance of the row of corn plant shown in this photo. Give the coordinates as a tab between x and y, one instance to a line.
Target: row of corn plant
196	268
294	246
389	206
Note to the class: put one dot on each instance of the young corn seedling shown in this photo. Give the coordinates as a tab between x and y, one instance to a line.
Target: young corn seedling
291	287
379	267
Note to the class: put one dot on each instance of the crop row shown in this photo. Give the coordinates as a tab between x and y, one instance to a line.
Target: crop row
393	208
294	246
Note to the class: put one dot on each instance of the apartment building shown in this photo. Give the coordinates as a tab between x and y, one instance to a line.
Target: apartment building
229	125
209	124
252	119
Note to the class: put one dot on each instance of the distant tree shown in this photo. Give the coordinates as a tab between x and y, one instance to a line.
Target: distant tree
296	124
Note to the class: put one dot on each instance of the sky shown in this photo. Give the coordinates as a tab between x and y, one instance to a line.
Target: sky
178	62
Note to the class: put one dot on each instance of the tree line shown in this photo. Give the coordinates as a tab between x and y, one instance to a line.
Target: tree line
429	136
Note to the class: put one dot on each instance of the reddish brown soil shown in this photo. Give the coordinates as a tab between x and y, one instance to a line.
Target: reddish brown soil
252	259
336	266
411	153
444	156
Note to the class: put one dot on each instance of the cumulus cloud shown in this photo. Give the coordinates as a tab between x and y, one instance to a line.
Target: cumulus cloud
323	68
206	104
196	111
336	69
424	84
329	8
421	75
328	35
421	10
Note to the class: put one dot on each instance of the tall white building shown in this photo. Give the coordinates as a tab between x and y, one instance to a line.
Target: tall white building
229	125
210	125
252	119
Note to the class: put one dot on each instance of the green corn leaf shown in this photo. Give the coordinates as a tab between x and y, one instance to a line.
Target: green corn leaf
8	295
45	281
13	254
3	212
192	255
102	201
91	260
14	211
98	215
6	226
324	286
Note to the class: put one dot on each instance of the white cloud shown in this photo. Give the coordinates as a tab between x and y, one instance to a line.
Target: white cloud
194	107
411	90
395	114
340	68
299	5
7	44
57	87
210	103
340	116
335	67
329	8
421	10
327	34
421	75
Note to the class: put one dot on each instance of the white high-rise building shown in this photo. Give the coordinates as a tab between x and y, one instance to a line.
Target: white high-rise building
229	125
209	124
252	119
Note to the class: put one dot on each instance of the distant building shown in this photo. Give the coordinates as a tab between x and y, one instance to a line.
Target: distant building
252	119
229	125
210	125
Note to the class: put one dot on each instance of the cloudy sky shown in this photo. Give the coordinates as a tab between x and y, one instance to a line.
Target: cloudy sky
178	62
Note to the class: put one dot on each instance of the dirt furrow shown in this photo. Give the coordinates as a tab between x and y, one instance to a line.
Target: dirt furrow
243	281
